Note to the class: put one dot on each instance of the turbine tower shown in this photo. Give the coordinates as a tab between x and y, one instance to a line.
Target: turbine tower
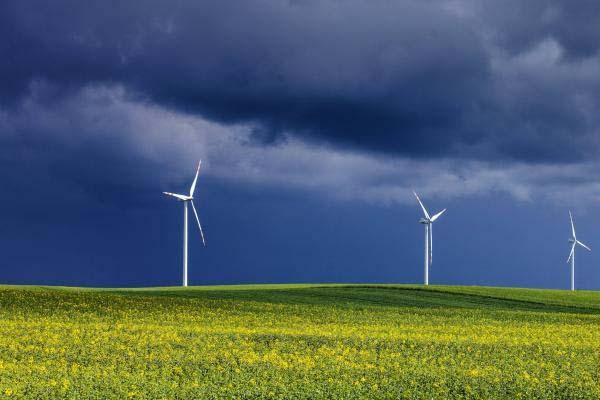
185	199
571	258
428	222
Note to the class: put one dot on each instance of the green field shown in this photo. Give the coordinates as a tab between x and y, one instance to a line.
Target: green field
299	342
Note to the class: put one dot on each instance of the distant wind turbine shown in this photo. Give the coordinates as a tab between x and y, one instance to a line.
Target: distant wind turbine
188	199
571	258
428	222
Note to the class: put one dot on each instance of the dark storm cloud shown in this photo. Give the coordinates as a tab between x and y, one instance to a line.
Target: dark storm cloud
72	150
426	79
519	25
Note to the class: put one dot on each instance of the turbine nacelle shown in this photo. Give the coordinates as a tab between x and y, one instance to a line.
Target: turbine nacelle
180	197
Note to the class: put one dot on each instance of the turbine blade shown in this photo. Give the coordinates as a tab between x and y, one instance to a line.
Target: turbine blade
430	244
178	196
193	187
422	206
583	245
198	221
436	216
571	253
572	225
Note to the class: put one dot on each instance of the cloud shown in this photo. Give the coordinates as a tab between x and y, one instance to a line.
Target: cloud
518	26
102	145
486	81
357	100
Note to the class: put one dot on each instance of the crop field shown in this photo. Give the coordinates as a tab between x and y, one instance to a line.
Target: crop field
299	342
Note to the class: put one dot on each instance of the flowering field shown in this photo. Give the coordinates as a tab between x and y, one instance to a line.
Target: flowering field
299	342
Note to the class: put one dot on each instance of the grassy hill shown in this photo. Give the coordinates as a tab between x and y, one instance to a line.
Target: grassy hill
299	342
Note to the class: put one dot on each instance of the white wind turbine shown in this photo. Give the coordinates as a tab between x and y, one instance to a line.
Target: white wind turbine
571	258
188	199
428	222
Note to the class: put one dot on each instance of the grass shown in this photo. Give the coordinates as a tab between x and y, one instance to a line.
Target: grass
299	342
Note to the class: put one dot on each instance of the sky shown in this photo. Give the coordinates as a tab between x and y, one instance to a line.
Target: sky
314	121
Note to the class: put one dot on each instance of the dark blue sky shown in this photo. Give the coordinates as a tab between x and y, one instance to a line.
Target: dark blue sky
314	121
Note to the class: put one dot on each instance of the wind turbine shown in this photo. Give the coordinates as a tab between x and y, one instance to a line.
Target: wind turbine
571	258
185	199
428	222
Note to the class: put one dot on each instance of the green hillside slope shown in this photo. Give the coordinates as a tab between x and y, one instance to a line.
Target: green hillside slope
299	342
